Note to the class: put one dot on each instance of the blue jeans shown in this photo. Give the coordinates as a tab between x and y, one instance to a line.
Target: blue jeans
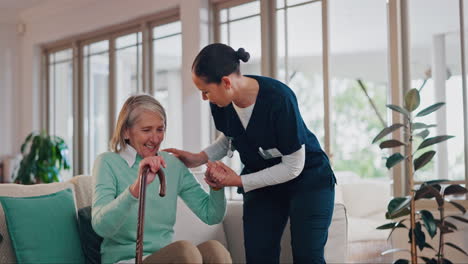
266	212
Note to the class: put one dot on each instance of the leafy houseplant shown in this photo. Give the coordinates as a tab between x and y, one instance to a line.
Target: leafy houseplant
404	206
44	156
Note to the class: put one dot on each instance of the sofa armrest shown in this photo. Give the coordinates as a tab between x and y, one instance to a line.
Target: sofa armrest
335	249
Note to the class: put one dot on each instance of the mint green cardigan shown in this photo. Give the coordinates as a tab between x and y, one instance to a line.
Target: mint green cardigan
115	210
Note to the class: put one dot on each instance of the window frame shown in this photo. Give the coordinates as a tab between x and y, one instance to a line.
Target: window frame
398	63
142	24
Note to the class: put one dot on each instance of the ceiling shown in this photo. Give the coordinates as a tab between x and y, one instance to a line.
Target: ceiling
19	5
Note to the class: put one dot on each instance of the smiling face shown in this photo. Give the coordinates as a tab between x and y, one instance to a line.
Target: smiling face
146	134
218	94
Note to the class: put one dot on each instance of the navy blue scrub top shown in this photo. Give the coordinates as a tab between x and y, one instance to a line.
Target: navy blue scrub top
275	123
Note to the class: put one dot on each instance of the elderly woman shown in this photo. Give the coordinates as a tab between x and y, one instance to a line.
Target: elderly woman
135	143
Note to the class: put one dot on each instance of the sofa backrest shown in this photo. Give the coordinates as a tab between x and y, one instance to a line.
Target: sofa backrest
335	249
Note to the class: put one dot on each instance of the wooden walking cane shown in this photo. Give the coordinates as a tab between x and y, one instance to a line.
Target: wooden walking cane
141	209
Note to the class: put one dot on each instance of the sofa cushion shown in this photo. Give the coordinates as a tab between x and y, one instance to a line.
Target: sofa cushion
90	241
17	190
43	229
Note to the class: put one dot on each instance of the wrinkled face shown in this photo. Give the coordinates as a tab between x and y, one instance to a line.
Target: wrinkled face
217	94
146	134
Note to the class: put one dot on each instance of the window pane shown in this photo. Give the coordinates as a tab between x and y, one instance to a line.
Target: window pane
97	47
300	61
295	2
358	38
280	3
244	10
167	29
250	40
128	70
435	62
224	33
61	104
168	83
96	83
63	55
223	15
128	40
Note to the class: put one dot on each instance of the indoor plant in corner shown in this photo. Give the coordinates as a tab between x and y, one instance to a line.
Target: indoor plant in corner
44	156
400	207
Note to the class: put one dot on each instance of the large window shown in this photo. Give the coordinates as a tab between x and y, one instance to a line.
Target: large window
299	38
96	100
128	55
359	87
107	68
343	87
239	27
436	70
167	86
60	87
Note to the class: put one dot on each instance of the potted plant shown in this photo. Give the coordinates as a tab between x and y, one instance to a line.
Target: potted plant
44	156
403	206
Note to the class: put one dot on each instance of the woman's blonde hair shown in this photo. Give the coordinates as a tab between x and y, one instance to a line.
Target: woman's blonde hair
128	115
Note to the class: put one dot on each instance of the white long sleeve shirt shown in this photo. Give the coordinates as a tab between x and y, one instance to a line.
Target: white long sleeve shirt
289	168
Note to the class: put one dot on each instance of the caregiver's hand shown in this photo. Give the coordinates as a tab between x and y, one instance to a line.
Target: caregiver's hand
190	159
221	174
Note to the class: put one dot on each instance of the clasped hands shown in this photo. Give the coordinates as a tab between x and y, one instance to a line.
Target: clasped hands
219	175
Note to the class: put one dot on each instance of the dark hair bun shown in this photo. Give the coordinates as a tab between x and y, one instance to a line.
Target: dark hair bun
242	55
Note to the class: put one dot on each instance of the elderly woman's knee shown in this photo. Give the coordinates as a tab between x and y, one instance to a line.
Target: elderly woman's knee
214	252
188	252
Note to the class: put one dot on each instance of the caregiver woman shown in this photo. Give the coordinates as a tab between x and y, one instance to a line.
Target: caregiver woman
286	174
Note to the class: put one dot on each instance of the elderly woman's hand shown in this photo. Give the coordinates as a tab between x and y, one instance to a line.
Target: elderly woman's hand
154	163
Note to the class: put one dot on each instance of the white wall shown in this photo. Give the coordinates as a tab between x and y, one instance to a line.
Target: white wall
52	21
8	82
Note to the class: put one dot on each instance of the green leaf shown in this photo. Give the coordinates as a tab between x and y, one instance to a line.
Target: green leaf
391	144
433	140
450	225
455	189
446	261
455	247
444	229
399	224
399	109
423	159
412	100
401	261
430	109
392	225
428	260
458	206
429	246
423	134
429	222
386	131
394	160
398	204
420	236
403	212
386	226
26	141
459	218
419	125
428	192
